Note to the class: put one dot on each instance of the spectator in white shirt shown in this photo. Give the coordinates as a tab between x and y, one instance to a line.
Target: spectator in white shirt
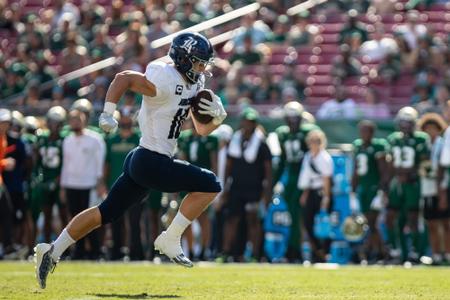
411	30
339	108
315	182
82	170
377	48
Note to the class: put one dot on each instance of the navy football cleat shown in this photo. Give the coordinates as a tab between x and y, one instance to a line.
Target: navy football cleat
44	262
172	249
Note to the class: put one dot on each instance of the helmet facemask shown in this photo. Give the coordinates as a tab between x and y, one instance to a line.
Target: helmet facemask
192	74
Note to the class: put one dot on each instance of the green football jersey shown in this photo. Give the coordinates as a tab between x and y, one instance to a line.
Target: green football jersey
117	149
408	152
366	160
50	156
197	149
293	148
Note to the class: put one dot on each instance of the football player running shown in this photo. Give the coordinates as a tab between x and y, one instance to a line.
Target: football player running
369	183
409	149
167	91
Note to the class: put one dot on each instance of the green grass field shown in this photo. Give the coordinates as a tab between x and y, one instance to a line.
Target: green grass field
211	281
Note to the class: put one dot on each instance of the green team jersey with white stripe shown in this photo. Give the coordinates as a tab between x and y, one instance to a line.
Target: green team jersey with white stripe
408	151
50	156
365	158
293	148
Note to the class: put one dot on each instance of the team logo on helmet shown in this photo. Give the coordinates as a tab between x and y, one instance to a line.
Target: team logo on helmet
188	43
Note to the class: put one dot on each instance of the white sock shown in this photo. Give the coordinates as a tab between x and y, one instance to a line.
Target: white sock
63	242
178	225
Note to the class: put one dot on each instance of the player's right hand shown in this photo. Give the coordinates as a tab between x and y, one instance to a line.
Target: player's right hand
107	122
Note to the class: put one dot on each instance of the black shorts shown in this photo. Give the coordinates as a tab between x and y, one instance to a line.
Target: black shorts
431	209
161	173
239	202
146	170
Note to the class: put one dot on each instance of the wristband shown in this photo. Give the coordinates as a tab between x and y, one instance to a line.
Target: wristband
109	107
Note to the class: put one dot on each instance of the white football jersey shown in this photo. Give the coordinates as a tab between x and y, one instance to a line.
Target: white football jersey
161	117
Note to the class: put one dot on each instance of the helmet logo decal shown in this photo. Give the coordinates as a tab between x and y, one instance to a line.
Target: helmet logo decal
188	43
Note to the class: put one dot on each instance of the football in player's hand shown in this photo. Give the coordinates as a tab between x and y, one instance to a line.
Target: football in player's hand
201	118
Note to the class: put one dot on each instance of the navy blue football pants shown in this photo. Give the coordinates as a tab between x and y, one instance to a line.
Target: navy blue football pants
144	170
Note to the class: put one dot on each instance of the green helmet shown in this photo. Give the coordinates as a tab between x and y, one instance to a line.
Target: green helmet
83	105
56	114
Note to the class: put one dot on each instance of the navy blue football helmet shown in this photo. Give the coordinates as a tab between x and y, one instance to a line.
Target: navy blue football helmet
188	48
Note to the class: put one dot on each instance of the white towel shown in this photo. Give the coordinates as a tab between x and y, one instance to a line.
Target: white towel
251	151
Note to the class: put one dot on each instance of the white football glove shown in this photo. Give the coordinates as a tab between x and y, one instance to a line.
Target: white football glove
213	108
107	122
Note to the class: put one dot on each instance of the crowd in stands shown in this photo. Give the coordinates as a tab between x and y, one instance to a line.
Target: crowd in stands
396	50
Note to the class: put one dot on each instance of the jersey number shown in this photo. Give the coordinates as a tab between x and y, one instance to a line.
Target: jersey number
404	157
293	150
50	157
177	123
362	165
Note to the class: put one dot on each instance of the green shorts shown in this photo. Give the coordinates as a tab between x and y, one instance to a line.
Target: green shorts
154	200
41	194
365	195
404	195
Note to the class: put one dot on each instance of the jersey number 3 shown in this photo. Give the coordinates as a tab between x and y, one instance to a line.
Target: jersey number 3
177	123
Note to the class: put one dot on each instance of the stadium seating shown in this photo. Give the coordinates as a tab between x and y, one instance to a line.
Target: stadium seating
314	61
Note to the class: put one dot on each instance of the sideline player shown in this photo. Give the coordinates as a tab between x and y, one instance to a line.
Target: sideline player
292	137
369	183
409	149
167	91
